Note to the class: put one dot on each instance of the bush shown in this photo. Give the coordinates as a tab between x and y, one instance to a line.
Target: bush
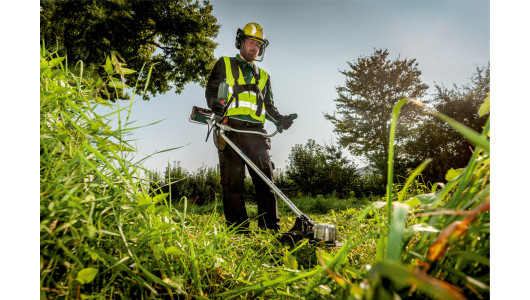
200	187
314	169
367	185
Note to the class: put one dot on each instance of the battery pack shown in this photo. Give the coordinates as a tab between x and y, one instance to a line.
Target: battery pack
200	115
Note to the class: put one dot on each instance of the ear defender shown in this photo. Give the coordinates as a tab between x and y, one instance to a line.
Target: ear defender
239	38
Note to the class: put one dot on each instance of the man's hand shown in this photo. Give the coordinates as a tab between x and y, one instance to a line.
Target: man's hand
287	121
218	108
284	122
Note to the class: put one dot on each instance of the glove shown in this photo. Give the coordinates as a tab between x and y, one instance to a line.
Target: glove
284	122
218	108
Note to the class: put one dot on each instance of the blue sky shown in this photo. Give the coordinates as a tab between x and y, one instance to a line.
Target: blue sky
310	42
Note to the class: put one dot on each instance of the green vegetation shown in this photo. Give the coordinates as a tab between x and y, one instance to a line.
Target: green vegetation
105	235
176	36
313	170
437	140
374	84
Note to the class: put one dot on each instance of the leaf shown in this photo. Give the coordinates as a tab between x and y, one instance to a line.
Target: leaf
289	261
91	230
379	204
116	83
160	197
470	256
144	202
45	71
395	234
485	107
413	202
94	126
86	275
451	234
452	174
402	277
56	61
401	205
423	227
172	250
176	282
116	147
102	101
108	66
127	71
93	254
427	199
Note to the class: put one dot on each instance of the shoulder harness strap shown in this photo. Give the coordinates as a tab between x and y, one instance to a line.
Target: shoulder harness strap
240	88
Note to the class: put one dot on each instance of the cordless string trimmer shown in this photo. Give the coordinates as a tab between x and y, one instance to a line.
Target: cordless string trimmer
303	227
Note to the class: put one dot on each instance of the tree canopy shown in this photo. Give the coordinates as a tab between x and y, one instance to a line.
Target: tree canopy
177	37
364	106
435	139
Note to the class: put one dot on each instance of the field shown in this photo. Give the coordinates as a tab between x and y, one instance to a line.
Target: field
102	236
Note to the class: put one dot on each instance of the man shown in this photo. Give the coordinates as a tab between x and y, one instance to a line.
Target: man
250	100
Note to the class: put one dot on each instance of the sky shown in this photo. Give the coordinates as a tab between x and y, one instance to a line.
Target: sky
310	43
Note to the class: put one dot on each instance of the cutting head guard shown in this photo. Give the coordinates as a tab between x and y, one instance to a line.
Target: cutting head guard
255	32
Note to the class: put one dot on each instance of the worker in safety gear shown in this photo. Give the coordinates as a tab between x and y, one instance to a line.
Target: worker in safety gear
249	101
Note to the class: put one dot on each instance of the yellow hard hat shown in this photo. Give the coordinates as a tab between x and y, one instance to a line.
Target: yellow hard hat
252	31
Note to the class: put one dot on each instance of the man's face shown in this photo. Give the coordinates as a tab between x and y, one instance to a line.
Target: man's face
250	49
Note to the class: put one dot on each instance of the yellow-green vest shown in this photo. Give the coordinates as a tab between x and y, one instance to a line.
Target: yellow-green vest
247	100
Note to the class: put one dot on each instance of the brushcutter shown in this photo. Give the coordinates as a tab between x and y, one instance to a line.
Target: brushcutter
304	226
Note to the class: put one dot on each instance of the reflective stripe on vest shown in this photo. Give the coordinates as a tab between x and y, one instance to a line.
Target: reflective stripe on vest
246	100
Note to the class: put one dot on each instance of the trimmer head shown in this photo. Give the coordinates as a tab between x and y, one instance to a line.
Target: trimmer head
305	228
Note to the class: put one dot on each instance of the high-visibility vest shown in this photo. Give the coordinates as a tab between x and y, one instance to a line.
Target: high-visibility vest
246	97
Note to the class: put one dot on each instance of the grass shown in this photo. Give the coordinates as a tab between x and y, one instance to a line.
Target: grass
100	238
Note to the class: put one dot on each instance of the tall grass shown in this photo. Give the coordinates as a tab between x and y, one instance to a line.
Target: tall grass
434	245
103	238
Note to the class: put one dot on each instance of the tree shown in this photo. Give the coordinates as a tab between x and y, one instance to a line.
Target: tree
363	110
174	36
315	169
435	139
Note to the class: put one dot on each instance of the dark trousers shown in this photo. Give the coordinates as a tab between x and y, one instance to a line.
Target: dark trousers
232	168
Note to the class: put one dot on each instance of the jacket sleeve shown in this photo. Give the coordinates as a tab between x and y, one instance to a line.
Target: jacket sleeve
271	110
217	76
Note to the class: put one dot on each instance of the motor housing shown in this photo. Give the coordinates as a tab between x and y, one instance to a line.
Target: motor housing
325	232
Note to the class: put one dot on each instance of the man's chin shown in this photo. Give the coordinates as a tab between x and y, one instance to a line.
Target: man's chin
250	58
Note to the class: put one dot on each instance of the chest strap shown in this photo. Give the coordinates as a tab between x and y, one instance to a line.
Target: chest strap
237	88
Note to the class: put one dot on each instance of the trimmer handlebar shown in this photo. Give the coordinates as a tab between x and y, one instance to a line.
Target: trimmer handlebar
206	116
226	127
215	120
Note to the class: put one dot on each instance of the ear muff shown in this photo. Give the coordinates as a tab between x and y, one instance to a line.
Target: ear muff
240	35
